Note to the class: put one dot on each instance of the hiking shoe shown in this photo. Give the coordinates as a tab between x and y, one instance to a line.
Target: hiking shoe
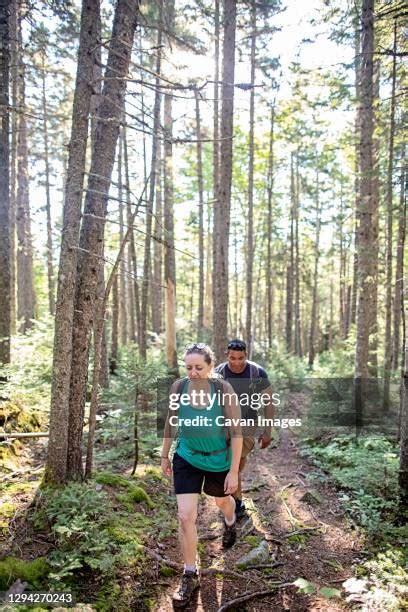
240	510
190	581
230	535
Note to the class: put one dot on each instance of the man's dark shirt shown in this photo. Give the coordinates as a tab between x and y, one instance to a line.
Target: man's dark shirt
243	385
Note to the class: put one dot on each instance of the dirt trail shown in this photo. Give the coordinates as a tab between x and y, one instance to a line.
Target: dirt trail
274	483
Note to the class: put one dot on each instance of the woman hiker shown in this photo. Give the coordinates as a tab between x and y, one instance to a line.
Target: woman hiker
206	457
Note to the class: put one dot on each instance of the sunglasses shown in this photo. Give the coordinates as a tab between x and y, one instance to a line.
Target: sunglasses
198	345
236	345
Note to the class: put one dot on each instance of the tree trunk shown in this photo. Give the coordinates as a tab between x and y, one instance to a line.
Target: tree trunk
25	275
298	323
290	264
50	265
13	161
92	228
403	466
200	319
122	266
216	164
364	209
150	202
388	280
222	205
62	355
169	255
132	249
157	291
313	317
357	128
398	301
5	254
250	234
375	199
269	277
113	360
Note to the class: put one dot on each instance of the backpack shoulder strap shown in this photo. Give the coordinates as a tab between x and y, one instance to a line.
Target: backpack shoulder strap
253	370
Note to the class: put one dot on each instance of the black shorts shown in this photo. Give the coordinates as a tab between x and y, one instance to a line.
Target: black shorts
189	479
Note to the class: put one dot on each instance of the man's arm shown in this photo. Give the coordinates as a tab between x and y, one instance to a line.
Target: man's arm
232	411
269	410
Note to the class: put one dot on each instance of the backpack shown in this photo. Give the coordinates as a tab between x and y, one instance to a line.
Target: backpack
253	374
219	390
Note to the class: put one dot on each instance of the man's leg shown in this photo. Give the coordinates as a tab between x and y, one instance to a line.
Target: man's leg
227	506
248	444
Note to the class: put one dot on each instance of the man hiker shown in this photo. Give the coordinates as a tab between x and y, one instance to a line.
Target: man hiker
247	379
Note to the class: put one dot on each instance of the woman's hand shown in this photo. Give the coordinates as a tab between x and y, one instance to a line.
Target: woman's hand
166	466
231	482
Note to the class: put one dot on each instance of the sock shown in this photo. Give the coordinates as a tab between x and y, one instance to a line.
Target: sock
229	523
190	568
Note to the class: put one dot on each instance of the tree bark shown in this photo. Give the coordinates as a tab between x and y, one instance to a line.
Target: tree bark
169	255
269	277
93	225
150	202
298	322
399	266
216	165
132	249
13	162
157	291
250	234
357	87
388	280
50	264
200	318
25	275
222	205
364	210
62	355
290	264
313	316
5	254
123	315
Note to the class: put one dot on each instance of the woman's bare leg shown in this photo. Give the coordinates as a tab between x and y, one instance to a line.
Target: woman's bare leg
187	516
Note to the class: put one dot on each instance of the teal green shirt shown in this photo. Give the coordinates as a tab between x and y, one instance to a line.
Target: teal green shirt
205	436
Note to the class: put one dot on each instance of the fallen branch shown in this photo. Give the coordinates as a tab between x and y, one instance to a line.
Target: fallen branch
248	596
208	571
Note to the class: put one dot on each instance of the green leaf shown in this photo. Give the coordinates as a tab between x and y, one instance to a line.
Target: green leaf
305	586
329	592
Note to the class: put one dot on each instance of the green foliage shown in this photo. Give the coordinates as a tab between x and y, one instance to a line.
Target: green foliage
29	375
285	368
134	495
113	480
77	515
167	571
367	470
33	572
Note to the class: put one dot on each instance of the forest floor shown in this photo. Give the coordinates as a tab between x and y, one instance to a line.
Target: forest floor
321	549
292	506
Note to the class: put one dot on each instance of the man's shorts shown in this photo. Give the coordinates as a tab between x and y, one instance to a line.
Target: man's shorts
189	479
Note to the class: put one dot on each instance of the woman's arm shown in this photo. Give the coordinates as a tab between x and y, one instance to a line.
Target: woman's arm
168	436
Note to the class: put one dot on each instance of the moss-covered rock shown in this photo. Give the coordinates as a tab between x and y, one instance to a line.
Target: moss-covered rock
34	572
